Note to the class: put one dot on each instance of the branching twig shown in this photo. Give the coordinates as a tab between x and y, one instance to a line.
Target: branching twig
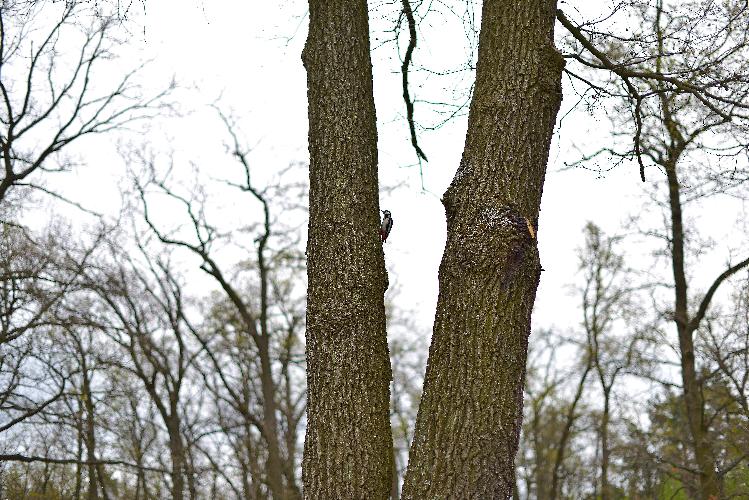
15	457
633	92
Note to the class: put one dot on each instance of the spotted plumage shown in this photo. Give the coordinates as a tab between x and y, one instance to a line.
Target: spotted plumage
386	226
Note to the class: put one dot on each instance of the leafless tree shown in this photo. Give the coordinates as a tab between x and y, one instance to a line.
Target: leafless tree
607	299
54	88
253	365
570	415
37	274
552	460
407	345
681	74
146	314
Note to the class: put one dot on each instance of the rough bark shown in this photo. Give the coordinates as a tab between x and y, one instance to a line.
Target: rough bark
469	419
348	445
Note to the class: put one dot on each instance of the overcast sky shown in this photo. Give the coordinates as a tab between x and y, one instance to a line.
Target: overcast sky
246	57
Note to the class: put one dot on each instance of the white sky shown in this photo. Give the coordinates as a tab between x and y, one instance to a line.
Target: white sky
249	54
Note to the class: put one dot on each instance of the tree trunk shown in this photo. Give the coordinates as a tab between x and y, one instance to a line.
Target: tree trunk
605	449
177	456
569	423
274	469
709	482
348	445
470	415
90	436
79	452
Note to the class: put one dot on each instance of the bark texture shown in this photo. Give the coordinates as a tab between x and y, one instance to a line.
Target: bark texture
348	445
469	420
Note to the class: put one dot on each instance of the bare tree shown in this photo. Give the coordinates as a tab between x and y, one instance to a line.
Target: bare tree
231	373
84	407
146	314
607	299
264	349
683	75
53	57
54	61
407	345
555	416
37	273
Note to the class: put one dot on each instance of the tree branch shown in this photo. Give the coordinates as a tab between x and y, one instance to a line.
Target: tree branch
695	322
404	70
15	457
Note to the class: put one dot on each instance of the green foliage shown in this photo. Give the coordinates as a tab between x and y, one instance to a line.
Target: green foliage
37	482
672	489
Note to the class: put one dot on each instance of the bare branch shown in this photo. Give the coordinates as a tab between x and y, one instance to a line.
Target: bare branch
408	12
15	457
705	303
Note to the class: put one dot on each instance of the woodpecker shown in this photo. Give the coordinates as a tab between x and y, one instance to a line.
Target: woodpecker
386	226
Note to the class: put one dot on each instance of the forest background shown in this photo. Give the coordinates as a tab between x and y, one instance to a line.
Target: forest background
153	300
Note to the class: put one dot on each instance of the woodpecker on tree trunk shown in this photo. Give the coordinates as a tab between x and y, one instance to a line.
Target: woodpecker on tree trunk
386	226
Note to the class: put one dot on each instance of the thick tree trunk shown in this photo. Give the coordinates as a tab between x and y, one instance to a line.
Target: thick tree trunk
471	410
709	482
348	445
